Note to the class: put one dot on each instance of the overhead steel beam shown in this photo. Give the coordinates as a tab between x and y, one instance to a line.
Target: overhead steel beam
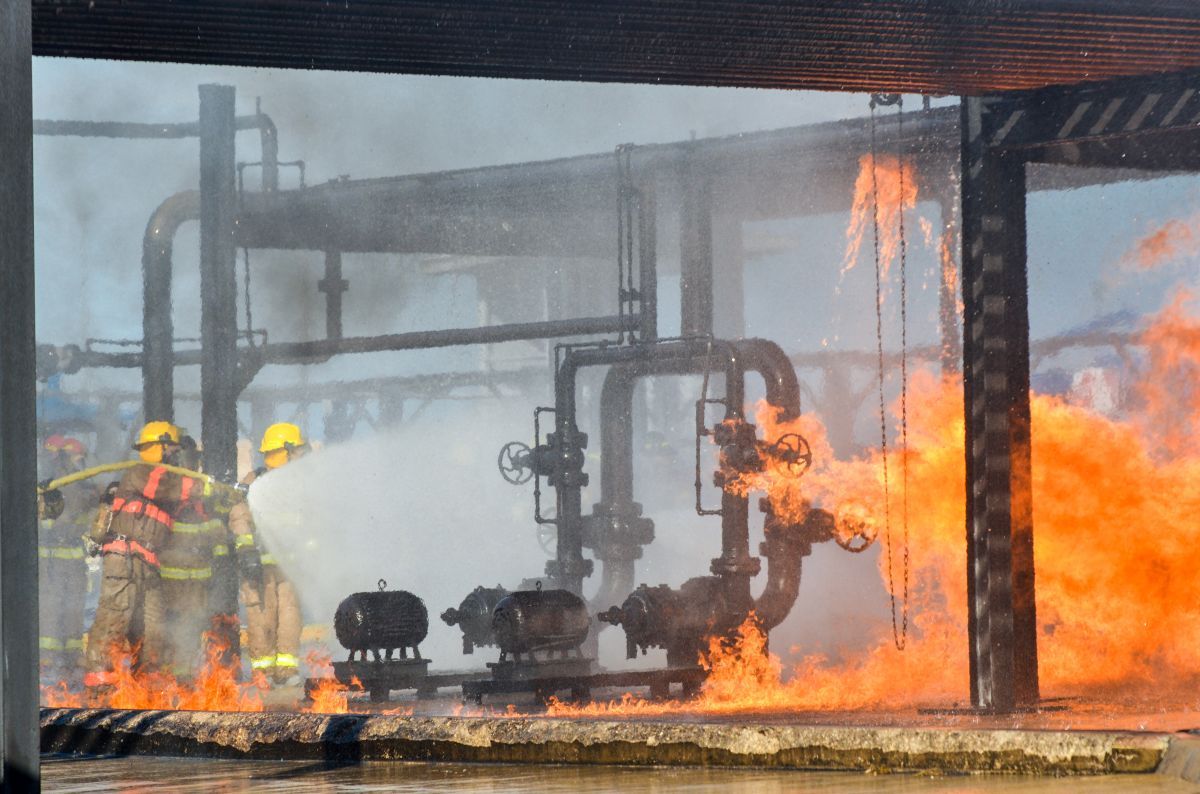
911	46
18	418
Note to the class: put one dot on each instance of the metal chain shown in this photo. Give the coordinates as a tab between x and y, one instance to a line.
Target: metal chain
899	636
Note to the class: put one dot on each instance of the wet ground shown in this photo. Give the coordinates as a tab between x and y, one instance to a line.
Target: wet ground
177	775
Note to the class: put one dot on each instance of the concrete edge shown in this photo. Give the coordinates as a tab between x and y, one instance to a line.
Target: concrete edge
1182	759
352	738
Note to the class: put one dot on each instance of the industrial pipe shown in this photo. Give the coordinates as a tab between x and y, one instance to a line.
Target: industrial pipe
158	330
268	136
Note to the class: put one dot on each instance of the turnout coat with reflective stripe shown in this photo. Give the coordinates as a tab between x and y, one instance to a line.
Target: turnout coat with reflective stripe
146	502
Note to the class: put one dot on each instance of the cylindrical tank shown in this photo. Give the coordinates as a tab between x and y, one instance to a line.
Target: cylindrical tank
540	620
383	620
474	616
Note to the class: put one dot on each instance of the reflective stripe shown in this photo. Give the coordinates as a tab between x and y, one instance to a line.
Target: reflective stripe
136	506
220	550
187	528
286	660
128	547
50	643
262	662
198	574
47	523
268	559
185	490
75	644
152	482
60	552
245	539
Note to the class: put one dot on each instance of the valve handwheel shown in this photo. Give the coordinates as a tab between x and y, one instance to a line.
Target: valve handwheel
794	451
855	532
514	463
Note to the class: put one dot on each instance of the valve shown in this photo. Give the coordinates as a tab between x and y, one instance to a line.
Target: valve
515	463
854	529
795	453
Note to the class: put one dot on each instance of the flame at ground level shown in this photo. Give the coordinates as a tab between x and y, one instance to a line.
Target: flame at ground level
1116	540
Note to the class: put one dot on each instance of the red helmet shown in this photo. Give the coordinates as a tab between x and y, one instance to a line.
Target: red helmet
61	443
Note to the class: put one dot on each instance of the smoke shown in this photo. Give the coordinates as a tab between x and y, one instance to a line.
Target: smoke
421	506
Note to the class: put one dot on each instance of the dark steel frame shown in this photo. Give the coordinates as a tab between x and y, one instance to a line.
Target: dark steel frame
1093	125
19	692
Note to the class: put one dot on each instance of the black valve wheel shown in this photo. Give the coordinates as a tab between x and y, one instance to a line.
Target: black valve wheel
855	532
514	463
795	453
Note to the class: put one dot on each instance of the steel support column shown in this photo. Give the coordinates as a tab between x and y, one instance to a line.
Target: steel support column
728	277
218	280
1002	619
333	285
18	412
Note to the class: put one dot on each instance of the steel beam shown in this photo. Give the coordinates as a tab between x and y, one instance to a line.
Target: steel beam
18	412
333	285
1002	619
218	280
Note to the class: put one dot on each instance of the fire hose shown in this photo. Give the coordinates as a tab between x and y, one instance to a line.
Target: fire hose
95	471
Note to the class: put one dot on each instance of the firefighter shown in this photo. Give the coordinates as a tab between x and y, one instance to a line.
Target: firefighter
186	569
273	620
129	535
62	570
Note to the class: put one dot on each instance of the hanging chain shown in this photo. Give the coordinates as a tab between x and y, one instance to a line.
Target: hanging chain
899	628
246	288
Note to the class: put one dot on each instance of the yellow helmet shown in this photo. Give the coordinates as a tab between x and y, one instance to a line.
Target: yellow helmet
281	435
156	432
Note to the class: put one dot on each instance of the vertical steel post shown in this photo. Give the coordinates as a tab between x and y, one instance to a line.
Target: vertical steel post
696	254
1002	619
648	263
333	285
218	280
18	412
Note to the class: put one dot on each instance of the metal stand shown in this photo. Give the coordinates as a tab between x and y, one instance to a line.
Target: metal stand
546	682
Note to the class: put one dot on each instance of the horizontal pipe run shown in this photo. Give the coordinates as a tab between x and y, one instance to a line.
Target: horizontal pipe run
299	352
134	129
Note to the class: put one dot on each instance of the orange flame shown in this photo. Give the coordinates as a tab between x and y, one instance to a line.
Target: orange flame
897	193
1175	239
1115	539
329	696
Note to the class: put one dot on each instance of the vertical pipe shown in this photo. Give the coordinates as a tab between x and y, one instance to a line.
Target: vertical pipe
695	254
218	279
648	262
1001	619
333	285
158	328
18	420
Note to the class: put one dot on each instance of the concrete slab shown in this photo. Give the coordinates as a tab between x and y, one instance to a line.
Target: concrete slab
362	737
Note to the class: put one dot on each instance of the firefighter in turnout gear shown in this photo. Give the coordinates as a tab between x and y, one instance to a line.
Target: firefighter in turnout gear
62	570
186	569
273	619
129	534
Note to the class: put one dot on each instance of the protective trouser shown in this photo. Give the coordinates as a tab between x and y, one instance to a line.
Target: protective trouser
186	599
273	624
224	627
131	608
62	582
